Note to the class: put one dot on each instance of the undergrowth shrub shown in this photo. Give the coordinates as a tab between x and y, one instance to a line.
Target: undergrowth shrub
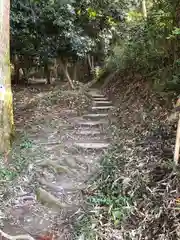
149	47
107	202
133	196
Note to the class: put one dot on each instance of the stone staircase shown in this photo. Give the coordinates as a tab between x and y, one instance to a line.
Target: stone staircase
74	161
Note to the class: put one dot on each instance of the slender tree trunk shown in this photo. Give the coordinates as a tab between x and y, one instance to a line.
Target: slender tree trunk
56	69
144	9
91	62
89	66
177	145
75	72
16	70
66	73
6	108
68	76
47	73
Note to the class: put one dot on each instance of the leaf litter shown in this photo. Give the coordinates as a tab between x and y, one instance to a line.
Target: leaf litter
136	194
40	113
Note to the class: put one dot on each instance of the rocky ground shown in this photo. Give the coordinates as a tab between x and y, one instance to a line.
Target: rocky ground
60	138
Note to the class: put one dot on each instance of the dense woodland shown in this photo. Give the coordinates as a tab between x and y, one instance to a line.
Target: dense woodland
97	42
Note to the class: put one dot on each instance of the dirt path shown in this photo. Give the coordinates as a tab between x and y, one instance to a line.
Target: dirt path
65	152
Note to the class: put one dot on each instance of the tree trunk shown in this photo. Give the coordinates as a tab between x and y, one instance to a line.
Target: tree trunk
16	70
47	73
75	72
177	24
89	66
55	69
66	73
144	9
91	63
6	109
177	145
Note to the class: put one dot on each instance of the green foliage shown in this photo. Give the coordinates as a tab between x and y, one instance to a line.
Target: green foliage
46	29
14	169
67	29
150	46
109	205
84	228
175	33
6	174
109	189
26	144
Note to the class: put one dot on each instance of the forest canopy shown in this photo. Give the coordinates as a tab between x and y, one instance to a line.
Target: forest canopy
139	35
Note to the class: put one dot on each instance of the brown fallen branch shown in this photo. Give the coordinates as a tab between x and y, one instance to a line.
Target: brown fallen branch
9	237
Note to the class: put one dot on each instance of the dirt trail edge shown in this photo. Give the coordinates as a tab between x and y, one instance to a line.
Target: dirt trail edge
64	154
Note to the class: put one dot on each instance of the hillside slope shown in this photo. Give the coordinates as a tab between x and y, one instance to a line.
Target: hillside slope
135	195
147	139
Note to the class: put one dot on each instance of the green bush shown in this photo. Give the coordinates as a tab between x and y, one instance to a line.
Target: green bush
150	46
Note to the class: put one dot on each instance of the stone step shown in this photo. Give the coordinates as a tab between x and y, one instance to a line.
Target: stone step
63	184
98	95
92	145
88	128
93	89
91	123
95	116
100	99
77	161
86	158
102	103
86	146
69	112
77	164
83	163
87	132
91	138
102	108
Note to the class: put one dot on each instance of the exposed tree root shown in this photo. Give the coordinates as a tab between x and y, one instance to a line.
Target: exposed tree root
9	237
